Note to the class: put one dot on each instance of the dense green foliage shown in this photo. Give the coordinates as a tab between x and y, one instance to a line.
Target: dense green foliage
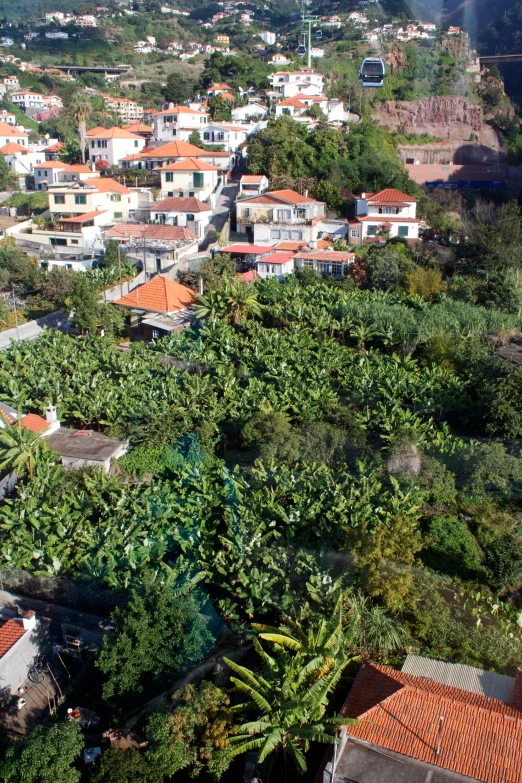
45	756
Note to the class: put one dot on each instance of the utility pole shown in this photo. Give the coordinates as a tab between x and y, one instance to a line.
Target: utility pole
16	314
119	267
308	21
144	258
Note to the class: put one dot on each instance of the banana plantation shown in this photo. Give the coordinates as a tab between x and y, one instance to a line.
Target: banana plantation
306	447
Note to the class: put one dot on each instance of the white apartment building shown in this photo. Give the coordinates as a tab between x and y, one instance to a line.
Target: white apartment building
10	133
26	99
128	110
280	215
178	122
113	144
268	37
230	136
93	195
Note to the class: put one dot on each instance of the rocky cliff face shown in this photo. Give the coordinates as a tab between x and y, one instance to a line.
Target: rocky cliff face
448	117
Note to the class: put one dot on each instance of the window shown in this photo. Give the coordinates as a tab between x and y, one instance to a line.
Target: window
58	241
68	266
190	217
136	142
45	173
206	136
102	143
404	231
337	269
74	241
191	194
355	232
275	234
221	136
170	193
93	145
285	234
372	231
284	214
286	110
59	199
78	199
297	235
197	179
387	210
155	334
115	197
118	214
202	120
247	212
173	131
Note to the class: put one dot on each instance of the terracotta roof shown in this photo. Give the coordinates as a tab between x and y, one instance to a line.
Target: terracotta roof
134	156
190	164
94	131
150	231
338	256
11	147
314	98
292	196
82	168
219	87
174	204
34	423
159	295
264	198
82	218
54	147
51	164
247	277
293	101
108	185
255	250
277	258
138	127
227	96
252	178
10	632
175	149
291	246
447	727
389	195
180	110
113	133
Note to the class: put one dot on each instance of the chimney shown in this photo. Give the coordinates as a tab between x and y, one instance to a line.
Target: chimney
50	414
171	105
93	166
28	620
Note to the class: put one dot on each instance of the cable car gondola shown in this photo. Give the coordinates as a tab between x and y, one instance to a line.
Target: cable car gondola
372	72
318	35
301	50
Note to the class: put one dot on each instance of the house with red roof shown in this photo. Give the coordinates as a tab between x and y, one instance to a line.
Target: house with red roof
389	213
163	154
189	212
325	261
280	215
178	122
161	306
159	247
190	178
113	144
21	160
433	721
21	639
253	184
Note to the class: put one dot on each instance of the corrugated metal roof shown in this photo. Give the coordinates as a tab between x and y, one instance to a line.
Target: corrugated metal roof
457	675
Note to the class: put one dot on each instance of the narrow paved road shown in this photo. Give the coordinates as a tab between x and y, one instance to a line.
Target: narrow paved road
221	212
32	329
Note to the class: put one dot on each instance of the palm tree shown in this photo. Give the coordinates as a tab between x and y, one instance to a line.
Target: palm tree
242	301
290	713
81	110
20	449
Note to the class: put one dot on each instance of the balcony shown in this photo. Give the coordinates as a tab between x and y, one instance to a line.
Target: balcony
294	221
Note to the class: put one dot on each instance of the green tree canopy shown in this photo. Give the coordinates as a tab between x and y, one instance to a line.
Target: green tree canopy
47	755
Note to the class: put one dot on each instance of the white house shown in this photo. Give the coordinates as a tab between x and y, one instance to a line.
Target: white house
7	117
290	83
388	212
253	184
52	172
219	89
12	83
268	37
160	248
20	160
279	60
178	122
251	110
93	195
275	265
188	212
28	100
9	133
325	262
301	103
113	144
181	150
189	177
280	215
231	136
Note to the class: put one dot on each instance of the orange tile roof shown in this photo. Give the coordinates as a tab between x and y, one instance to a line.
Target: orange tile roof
338	256
159	295
179	110
10	632
108	185
292	196
291	246
83	218
190	164
177	204
390	195
295	102
138	127
227	96
175	149
464	732
276	258
94	131
51	164
79	167
113	133
34	423
254	178
11	147
151	231
219	87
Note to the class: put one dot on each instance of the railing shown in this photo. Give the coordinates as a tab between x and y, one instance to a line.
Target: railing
251	220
